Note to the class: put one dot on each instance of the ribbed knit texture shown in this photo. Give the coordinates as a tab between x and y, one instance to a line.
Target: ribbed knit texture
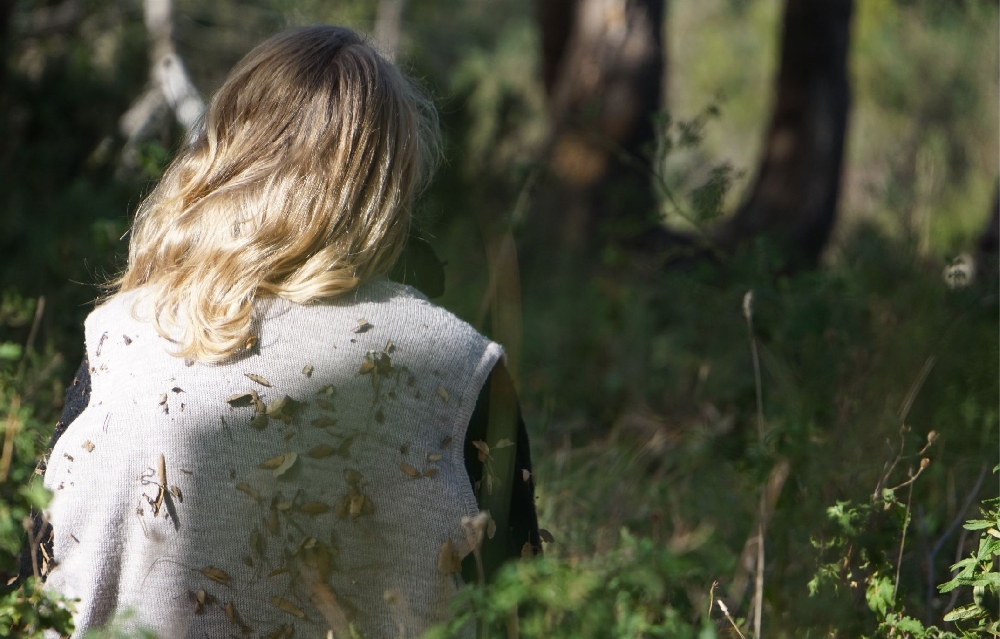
377	487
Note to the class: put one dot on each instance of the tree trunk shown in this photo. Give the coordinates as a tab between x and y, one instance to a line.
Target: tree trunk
989	241
602	66
794	198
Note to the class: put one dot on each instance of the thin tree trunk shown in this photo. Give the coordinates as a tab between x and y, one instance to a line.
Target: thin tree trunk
603	67
989	241
794	199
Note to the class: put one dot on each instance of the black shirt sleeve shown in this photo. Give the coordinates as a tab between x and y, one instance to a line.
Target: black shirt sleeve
522	516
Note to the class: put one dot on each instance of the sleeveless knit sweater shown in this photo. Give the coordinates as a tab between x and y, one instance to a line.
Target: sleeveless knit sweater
315	481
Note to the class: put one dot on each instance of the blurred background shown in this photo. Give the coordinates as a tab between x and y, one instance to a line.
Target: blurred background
743	255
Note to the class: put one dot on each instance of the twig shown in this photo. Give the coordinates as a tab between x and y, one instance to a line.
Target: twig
759	579
902	541
725	611
39	311
911	395
13	425
748	314
924	463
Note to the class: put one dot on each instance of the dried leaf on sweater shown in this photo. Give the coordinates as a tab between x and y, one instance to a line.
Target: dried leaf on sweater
287	463
320	451
325	405
409	470
433	457
88	446
329	390
308	370
314	508
259	379
323	422
442	393
248	489
430	472
363	326
287	606
215	574
240	399
448	560
272	463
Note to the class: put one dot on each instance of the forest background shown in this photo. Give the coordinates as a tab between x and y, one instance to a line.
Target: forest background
742	254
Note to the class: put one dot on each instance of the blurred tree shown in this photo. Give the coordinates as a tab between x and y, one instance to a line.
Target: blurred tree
602	64
794	198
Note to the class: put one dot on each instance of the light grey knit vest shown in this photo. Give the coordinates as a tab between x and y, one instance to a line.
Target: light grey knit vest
317	481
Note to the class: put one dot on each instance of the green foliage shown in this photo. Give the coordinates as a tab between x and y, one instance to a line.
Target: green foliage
636	590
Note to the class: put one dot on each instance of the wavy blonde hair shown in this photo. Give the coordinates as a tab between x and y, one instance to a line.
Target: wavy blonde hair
299	186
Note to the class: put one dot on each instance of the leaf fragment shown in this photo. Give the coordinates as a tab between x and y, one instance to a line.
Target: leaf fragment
503	443
320	451
433	457
250	342
430	472
491	528
88	446
283	409
448	560
217	575
287	462
325	405
272	463
308	370
409	470
323	422
363	326
352	476
248	489
483	448
259	421
257	378
329	390
546	536
162	399
314	508
287	606
442	393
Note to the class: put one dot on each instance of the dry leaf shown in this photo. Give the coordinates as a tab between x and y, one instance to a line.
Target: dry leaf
546	536
308	370
246	488
162	399
329	390
442	393
320	451
272	463
325	405
323	422
247	561
448	560
389	347
216	575
446	441
343	507
503	443
314	508
272	522
287	606
287	463
240	399
283	409
409	470
88	446
430	472
176	492
483	448
250	342
257	378
231	612
352	476
363	326
259	421
345	446
433	457
491	529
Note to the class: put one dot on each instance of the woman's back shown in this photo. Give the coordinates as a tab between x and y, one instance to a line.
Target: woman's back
316	477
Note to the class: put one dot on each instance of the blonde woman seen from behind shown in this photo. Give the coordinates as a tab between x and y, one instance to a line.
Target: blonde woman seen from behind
274	440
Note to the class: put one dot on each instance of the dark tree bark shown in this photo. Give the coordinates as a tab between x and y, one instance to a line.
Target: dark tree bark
794	198
602	65
989	241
